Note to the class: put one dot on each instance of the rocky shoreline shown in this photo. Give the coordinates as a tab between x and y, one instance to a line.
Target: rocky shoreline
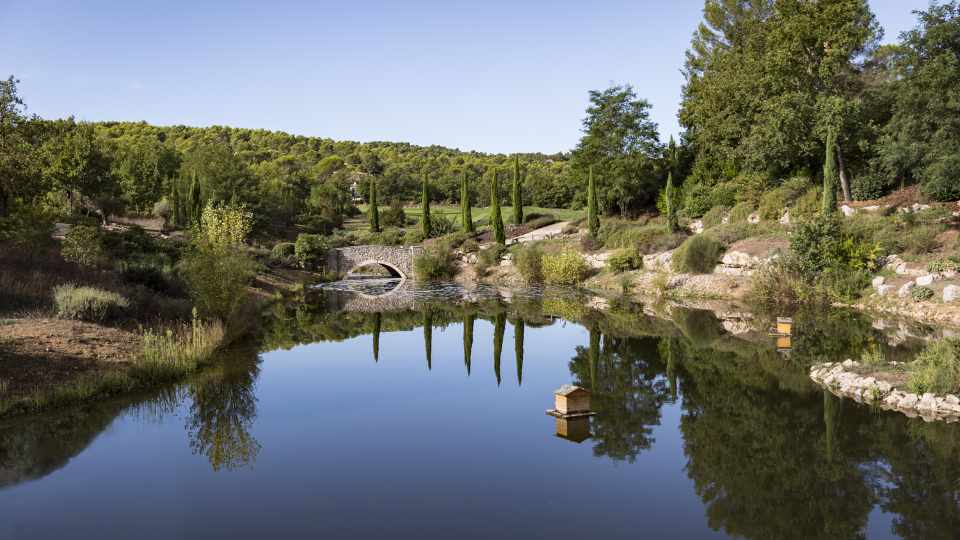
843	380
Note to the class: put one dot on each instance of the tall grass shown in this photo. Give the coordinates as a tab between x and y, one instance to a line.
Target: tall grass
698	254
87	303
937	368
173	353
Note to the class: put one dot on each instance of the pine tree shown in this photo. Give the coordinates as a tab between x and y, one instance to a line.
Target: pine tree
467	213
196	204
517	194
426	226
671	207
374	210
495	218
593	217
829	175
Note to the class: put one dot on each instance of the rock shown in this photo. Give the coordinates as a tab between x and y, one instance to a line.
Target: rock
951	293
878	281
884	290
925	281
884	387
908	401
927	403
658	261
696	226
848	210
785	218
754	218
905	290
848	363
952	399
892	400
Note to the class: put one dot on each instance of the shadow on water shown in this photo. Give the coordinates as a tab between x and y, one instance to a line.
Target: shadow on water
769	454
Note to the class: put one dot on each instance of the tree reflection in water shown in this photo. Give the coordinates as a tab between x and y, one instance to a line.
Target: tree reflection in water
518	348
223	410
499	326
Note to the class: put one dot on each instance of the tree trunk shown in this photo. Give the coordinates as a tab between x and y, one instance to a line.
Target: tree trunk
844	184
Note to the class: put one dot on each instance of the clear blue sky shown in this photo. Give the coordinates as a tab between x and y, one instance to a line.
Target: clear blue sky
493	76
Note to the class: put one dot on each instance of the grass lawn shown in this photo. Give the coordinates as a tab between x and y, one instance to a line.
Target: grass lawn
480	214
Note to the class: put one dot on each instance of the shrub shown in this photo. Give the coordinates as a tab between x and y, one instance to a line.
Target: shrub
82	245
310	251
87	303
937	368
226	225
920	294
775	287
730	233
646	239
441	225
489	257
394	216
283	252
529	262
564	268
921	239
741	213
436	262
943	265
541	221
625	260
588	242
873	356
469	246
697	255
714	216
172	354
774	202
147	275
807	205
217	278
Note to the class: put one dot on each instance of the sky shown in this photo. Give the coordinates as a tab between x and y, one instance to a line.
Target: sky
491	76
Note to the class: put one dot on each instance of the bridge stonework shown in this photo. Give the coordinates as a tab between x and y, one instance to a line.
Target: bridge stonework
397	259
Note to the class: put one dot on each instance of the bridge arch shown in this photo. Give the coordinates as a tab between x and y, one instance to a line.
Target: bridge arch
398	260
391	268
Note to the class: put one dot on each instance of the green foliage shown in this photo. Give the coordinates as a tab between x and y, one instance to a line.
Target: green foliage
217	278
921	294
829	204
496	219
394	215
310	251
488	258
741	212
564	268
283	252
730	233
698	254
593	209
441	226
374	209
943	265
426	225
774	202
87	303
528	259
435	263
714	216
646	239
466	212
225	226
625	260
937	368
517	193
672	224
83	246
168	356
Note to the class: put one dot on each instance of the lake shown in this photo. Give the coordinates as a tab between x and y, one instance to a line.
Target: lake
366	412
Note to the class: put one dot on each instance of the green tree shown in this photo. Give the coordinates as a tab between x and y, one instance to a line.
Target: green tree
496	219
829	203
465	210
517	193
426	226
428	337
374	209
467	340
377	324
672	224
518	330
196	200
593	210
19	158
499	327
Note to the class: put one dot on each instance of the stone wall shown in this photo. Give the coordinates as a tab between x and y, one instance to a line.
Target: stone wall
397	259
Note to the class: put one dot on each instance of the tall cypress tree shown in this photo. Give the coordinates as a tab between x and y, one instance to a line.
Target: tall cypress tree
517	194
426	226
466	212
495	218
593	354
829	205
518	349
196	204
175	201
593	209
467	340
428	337
374	210
671	207
499	325
377	323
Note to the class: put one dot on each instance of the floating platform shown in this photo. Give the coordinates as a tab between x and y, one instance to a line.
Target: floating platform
557	414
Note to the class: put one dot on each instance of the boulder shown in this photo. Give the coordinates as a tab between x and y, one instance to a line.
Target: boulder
696	226
658	261
884	290
926	281
904	291
785	218
753	218
951	293
848	210
878	281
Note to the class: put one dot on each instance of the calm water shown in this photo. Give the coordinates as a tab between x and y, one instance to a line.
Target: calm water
426	420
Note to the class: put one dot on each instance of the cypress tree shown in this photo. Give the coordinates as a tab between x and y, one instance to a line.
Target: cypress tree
671	208
374	210
499	325
467	213
593	217
517	194
518	349
196	204
175	201
426	227
593	355
495	218
829	175
467	340
377	323
428	337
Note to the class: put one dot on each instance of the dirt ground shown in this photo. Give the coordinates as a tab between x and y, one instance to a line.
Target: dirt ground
41	352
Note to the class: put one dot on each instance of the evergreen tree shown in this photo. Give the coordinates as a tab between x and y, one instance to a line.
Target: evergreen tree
374	210
518	349
467	213
593	218
517	194
428	337
175	202
495	218
671	205
594	357
467	340
377	323
196	203
426	226
829	174
499	325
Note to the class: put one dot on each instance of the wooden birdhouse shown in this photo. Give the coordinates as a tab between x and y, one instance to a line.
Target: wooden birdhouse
784	344
573	429
784	326
572	399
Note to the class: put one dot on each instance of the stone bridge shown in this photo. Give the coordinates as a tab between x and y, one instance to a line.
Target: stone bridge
398	260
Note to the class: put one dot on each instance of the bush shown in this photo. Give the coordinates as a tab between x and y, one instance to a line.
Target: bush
394	216
921	239
774	202
741	213
730	233
310	251
489	257
469	246
284	252
698	254
625	260
541	221
565	268
943	265
646	239
920	294
775	287
937	368
807	205
87	303
217	278
169	355
147	275
436	262
82	245
590	243
529	262
441	225
714	216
